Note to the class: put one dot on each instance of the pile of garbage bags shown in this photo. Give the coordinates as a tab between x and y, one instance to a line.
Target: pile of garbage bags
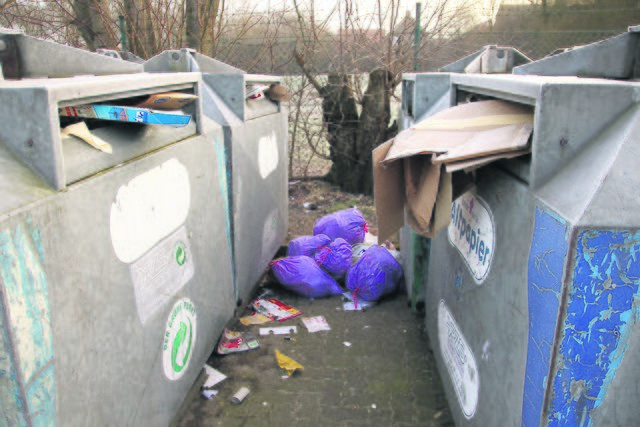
315	265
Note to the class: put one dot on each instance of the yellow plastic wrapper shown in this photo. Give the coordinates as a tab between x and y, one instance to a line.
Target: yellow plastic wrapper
255	319
287	363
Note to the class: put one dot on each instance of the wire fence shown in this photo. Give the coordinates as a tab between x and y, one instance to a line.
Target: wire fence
277	56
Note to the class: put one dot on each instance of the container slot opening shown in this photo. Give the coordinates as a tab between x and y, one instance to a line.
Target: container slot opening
261	100
130	130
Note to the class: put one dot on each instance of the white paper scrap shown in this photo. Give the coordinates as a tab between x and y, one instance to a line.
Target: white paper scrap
213	376
279	330
208	394
316	323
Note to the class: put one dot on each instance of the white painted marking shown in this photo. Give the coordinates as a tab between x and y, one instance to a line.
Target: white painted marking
268	155
148	208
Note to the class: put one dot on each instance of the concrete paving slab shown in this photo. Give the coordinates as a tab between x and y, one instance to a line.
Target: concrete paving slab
385	377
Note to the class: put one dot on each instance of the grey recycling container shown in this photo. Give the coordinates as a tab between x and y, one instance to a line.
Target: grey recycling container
111	298
540	327
256	146
422	95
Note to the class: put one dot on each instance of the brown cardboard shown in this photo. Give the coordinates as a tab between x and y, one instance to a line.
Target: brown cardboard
494	141
409	173
388	190
167	101
472	164
422	181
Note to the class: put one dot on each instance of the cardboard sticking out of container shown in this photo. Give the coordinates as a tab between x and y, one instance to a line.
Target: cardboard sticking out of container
167	101
472	164
411	171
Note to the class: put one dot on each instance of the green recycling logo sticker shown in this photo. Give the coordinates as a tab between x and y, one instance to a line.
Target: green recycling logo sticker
181	253
179	339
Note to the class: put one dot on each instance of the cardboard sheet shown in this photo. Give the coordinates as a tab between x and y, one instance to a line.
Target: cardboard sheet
389	193
499	140
472	164
412	172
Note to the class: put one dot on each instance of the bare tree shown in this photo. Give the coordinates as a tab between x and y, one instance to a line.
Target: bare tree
379	46
151	26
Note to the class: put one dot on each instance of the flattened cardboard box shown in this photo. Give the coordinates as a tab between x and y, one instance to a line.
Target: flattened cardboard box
411	171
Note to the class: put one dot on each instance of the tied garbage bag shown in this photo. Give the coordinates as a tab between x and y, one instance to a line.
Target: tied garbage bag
347	224
376	274
335	258
307	245
303	276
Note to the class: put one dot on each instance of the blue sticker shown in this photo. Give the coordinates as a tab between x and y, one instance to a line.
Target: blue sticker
595	332
546	263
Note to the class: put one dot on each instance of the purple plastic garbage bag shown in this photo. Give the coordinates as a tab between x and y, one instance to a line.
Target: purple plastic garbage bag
307	245
376	274
348	224
335	258
301	274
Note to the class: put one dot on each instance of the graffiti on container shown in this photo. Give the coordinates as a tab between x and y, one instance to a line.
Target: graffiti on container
26	336
459	360
472	232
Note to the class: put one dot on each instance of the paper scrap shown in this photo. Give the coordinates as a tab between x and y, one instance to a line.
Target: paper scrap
351	305
233	342
208	394
316	324
275	309
81	131
255	319
347	344
287	363
279	330
213	376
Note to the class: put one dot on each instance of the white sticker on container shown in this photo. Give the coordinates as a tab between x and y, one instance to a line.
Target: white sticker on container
460	361
179	339
472	232
268	155
160	273
148	208
270	240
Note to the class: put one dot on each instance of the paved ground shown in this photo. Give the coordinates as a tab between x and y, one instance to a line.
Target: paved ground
373	368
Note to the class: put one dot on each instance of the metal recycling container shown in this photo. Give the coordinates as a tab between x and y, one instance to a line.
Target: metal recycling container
423	96
532	291
255	141
115	276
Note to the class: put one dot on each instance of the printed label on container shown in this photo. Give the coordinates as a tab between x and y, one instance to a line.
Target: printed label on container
148	208
179	339
460	361
472	232
159	274
268	155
